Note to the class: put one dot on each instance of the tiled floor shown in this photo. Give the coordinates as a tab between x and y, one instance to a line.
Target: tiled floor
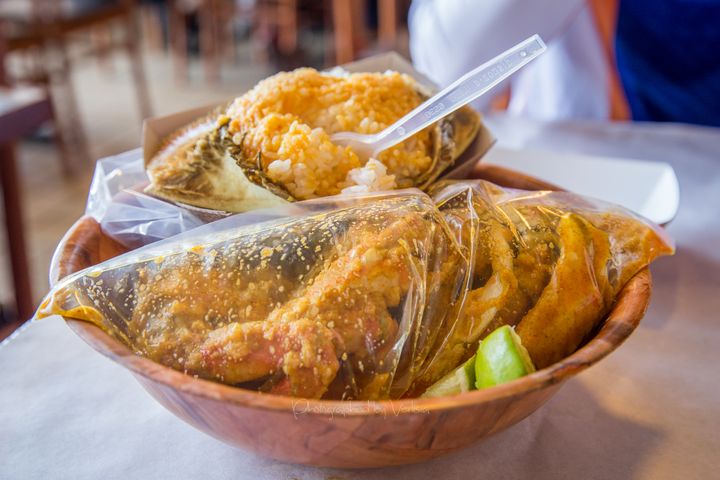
53	202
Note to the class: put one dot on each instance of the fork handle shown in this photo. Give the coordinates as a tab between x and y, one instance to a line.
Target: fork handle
461	92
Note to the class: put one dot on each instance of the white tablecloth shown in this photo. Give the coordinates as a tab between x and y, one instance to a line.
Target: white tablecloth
650	410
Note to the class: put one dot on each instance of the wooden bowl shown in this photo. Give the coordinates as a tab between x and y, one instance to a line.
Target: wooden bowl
349	434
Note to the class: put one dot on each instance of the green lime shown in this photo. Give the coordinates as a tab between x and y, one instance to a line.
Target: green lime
501	358
462	379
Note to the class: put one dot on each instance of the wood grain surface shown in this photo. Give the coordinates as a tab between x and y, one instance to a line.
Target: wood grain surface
350	434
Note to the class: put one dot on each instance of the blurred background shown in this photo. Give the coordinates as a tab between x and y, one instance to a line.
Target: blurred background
78	76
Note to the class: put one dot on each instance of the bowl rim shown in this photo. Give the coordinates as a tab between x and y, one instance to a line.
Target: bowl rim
620	322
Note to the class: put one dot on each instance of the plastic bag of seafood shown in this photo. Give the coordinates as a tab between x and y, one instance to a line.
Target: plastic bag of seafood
366	296
548	263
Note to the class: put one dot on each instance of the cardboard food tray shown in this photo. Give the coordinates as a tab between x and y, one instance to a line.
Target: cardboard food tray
156	129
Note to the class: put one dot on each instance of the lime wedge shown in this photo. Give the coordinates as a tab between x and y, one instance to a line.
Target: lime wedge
501	358
462	379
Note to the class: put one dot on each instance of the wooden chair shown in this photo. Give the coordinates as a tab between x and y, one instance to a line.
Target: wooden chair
22	111
274	25
215	36
42	36
348	29
350	32
605	13
31	43
153	24
277	24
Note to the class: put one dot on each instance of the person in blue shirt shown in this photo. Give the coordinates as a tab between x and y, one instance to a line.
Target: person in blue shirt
668	58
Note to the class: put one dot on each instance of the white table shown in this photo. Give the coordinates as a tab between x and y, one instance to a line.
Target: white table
650	410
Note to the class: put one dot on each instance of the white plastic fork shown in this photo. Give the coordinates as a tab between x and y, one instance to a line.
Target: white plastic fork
461	92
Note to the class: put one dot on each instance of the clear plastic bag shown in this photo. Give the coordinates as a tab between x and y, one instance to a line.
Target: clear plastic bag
548	263
370	296
118	202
